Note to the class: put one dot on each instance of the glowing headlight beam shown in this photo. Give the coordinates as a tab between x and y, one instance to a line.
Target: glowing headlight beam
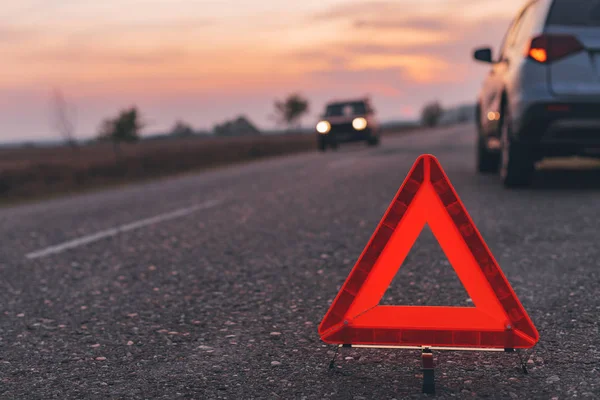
359	124
323	127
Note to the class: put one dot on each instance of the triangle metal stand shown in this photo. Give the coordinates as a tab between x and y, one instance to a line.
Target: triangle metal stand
427	364
428	374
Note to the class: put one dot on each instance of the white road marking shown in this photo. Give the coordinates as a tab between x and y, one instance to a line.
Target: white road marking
182	212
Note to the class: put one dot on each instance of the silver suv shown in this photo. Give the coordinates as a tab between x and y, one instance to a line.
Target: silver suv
542	95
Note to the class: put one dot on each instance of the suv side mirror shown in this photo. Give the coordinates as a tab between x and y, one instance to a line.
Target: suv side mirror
483	55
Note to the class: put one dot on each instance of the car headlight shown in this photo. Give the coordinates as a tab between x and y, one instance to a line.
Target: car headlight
359	124
323	127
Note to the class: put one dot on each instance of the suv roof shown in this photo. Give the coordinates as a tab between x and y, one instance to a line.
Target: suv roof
348	101
348	108
578	13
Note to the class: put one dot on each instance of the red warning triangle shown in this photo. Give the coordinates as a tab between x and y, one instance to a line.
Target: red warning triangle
498	319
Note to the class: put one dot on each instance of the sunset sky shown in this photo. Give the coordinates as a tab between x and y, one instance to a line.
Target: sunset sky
204	61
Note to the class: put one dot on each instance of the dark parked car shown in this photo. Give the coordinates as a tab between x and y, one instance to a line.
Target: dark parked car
348	121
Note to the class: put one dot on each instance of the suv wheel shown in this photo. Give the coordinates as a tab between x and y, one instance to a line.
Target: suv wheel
517	165
487	161
322	144
332	141
373	141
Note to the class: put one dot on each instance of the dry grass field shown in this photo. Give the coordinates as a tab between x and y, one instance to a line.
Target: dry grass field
33	172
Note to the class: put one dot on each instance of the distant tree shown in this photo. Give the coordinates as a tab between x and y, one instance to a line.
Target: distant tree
63	118
181	129
290	111
431	114
125	127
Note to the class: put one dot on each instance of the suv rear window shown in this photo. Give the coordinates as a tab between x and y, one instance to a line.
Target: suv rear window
575	13
346	109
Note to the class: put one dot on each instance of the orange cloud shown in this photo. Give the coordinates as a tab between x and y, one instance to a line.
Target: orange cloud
420	68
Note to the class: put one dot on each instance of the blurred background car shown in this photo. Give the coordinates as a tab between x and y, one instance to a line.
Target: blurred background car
348	121
542	95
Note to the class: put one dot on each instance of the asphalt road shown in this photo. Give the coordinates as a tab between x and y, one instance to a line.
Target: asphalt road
212	285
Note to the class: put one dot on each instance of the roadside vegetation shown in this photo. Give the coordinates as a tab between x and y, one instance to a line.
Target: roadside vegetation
121	154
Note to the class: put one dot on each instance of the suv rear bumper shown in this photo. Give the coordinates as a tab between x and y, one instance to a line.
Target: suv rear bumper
557	129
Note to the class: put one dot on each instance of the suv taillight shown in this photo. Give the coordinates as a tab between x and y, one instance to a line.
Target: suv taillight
549	48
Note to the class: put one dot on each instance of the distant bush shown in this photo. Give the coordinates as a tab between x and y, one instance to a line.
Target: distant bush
431	114
182	129
241	126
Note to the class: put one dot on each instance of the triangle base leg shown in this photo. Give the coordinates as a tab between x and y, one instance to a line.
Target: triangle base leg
523	365
428	374
337	349
332	362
